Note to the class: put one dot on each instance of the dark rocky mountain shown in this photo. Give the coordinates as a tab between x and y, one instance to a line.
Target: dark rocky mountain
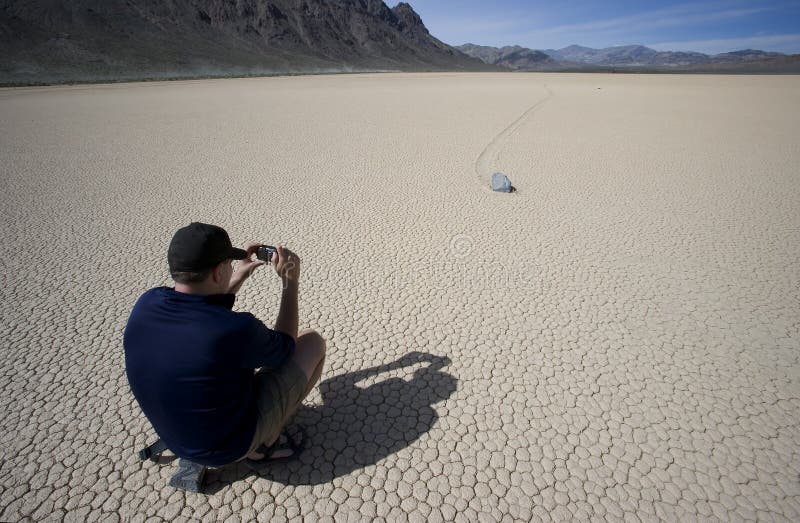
512	57
635	57
85	40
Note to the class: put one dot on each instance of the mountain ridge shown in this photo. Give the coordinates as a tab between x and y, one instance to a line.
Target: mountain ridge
92	40
627	56
58	41
512	56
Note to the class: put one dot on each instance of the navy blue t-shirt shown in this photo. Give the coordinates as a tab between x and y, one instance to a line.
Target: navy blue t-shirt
190	361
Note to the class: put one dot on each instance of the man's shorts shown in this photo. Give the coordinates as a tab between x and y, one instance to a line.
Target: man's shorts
278	393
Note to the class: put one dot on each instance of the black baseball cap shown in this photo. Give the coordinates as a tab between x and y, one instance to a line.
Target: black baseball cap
199	247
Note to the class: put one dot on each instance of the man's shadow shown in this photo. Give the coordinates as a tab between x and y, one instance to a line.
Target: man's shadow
358	426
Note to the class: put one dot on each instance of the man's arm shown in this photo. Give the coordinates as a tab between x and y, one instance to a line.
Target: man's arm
245	268
288	318
287	265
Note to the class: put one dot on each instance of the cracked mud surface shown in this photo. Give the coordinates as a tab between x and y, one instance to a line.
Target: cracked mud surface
617	340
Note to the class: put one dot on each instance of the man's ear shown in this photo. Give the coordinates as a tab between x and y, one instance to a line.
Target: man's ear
216	273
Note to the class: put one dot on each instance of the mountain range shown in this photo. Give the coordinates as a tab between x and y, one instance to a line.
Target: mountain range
85	40
56	41
576	57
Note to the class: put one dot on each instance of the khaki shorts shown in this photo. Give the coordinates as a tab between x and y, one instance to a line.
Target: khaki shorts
278	393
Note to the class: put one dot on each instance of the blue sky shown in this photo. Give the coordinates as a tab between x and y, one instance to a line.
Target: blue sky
705	26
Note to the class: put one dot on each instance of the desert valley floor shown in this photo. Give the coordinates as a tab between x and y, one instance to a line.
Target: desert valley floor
618	339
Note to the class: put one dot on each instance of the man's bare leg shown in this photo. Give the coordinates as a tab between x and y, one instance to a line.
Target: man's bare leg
309	355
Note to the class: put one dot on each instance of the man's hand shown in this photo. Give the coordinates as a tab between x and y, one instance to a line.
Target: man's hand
287	265
245	268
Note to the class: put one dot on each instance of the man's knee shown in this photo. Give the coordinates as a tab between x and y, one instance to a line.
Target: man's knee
309	352
312	343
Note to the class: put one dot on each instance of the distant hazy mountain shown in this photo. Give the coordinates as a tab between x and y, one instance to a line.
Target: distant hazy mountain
513	57
746	55
576	57
627	55
66	40
624	55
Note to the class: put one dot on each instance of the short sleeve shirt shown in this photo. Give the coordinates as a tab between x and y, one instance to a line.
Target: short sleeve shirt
190	361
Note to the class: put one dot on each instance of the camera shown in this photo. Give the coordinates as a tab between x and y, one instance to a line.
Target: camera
265	253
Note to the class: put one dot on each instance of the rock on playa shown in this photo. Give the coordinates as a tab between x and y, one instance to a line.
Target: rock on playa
501	183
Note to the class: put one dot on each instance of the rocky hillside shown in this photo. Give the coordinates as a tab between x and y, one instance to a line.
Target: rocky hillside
84	40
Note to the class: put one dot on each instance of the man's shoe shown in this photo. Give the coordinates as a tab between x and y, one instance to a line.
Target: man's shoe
286	448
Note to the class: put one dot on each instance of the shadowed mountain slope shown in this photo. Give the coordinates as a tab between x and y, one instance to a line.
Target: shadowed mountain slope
79	40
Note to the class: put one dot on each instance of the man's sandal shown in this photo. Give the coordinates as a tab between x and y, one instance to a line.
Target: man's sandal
293	443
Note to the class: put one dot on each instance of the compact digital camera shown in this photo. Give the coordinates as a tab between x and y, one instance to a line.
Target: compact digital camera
265	253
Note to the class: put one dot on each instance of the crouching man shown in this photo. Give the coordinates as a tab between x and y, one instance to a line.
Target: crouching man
219	386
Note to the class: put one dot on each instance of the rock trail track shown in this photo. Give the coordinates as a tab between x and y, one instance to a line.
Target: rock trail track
617	341
486	162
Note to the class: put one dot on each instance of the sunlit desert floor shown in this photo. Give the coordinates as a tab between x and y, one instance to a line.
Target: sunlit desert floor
618	338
